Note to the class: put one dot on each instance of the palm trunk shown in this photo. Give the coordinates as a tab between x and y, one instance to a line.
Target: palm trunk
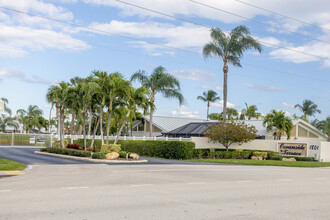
122	126
101	121
94	132
225	77
62	127
90	122
50	118
72	130
207	113
84	129
109	120
151	112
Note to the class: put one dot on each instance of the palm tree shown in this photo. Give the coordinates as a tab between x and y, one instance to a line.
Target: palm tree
309	108
230	49
159	82
7	121
231	112
250	112
52	98
215	116
102	80
134	98
209	97
6	108
324	126
277	121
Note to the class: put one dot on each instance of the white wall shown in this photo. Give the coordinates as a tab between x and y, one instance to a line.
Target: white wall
315	147
325	152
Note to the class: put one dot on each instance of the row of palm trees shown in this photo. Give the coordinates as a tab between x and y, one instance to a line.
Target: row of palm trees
108	103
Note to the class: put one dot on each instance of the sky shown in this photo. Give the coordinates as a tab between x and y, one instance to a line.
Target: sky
111	36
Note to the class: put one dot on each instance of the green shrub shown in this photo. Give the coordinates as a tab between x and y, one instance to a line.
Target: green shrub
110	148
277	157
57	143
99	155
122	154
66	151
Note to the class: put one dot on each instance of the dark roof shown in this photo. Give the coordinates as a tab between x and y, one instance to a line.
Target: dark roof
194	128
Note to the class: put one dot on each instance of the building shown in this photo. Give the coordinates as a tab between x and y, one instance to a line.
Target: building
301	130
161	125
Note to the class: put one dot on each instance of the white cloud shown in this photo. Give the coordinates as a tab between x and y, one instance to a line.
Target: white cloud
183	111
181	36
198	75
219	104
286	105
8	73
263	88
208	87
15	41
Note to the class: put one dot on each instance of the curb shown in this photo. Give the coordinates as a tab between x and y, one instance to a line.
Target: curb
90	159
4	173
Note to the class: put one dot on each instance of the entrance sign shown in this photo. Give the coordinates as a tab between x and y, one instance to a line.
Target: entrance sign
2	106
292	149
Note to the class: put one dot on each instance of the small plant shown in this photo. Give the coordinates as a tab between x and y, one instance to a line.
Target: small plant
99	155
93	149
110	148
73	146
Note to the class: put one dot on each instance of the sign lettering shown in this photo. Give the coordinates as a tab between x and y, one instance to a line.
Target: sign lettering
293	149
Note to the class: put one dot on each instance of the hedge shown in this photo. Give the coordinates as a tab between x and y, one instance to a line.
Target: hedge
277	157
5	139
230	154
99	155
66	151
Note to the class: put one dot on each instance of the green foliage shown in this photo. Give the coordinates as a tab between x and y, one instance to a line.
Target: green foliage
57	143
5	139
110	148
66	151
277	157
99	155
260	154
277	121
227	133
162	149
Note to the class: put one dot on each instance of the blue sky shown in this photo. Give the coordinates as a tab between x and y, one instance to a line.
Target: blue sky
36	53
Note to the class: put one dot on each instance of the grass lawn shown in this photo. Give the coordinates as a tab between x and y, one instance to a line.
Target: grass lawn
11	165
267	162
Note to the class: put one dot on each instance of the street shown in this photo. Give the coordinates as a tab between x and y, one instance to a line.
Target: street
165	191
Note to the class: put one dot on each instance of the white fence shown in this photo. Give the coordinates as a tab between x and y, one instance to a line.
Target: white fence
75	137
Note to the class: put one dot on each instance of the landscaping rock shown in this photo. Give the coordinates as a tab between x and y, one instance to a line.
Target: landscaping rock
111	156
288	159
134	156
256	158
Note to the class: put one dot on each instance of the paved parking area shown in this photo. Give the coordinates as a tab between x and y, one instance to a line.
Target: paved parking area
166	191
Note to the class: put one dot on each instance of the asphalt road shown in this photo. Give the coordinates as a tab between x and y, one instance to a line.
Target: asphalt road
99	191
26	155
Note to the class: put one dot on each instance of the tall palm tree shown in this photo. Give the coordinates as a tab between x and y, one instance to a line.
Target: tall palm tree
209	97
230	49
6	108
250	112
159	82
6	121
308	107
102	80
52	98
277	121
324	126
134	98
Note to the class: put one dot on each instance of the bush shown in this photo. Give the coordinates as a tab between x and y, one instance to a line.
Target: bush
163	149
110	148
122	154
73	146
277	157
260	154
57	143
66	151
93	149
99	155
